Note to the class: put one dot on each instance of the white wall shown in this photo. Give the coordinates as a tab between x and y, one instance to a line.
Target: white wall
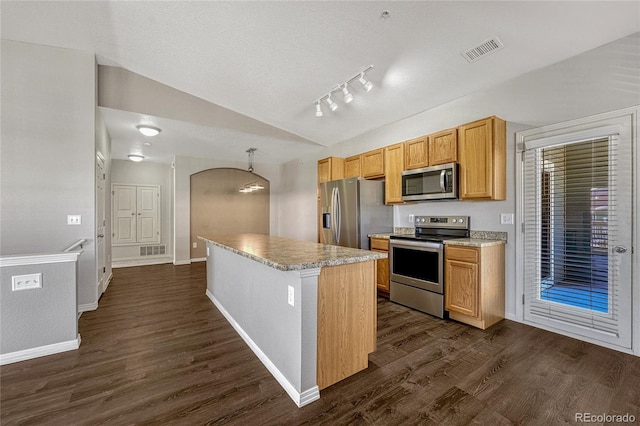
146	173
48	154
184	167
604	79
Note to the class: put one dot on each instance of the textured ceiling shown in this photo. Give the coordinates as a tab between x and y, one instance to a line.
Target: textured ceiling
270	60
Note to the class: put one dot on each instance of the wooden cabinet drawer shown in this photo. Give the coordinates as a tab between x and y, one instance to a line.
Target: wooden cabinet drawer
379	244
462	254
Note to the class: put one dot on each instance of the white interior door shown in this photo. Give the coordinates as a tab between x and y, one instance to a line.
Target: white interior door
100	223
148	216
124	214
577	240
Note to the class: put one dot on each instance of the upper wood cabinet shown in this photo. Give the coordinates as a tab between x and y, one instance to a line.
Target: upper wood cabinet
483	160
416	154
372	164
393	165
352	167
330	168
443	147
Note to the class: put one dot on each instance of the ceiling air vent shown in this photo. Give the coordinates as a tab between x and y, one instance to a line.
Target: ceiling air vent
483	49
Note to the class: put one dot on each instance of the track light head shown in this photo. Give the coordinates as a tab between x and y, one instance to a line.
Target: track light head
332	105
348	97
318	109
366	84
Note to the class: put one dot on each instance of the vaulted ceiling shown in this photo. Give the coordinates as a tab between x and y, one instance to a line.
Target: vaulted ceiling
269	61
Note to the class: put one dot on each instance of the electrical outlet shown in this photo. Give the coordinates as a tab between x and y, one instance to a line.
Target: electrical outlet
506	218
26	282
411	218
290	296
195	244
74	219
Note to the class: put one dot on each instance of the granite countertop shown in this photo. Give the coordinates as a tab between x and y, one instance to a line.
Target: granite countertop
473	242
290	255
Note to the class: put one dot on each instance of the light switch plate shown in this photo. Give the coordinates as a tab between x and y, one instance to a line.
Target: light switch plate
74	219
26	282
195	244
506	218
290	297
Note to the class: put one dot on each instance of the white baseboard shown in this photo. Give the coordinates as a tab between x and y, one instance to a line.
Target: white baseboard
512	317
182	262
300	398
26	354
125	263
87	307
199	259
108	281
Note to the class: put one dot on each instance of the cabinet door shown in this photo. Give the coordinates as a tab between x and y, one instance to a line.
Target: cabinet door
382	273
443	147
324	170
352	167
373	164
330	168
394	165
416	154
482	157
462	287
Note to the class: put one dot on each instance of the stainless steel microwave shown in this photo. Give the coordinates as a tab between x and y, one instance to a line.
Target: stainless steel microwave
431	183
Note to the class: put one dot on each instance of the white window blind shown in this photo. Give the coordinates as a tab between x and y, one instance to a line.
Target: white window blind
570	224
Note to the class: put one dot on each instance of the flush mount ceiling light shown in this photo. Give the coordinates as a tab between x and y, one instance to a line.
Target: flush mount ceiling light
136	157
148	130
344	88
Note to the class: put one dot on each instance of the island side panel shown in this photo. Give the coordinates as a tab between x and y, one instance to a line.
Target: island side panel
255	296
346	320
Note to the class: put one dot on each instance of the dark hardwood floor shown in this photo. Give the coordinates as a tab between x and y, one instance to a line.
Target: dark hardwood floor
158	352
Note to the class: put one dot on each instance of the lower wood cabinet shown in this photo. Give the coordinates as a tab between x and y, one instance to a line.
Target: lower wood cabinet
382	265
474	284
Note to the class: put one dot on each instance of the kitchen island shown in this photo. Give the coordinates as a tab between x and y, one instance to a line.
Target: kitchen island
307	310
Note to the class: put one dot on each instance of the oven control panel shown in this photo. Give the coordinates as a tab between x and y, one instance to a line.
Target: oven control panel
442	222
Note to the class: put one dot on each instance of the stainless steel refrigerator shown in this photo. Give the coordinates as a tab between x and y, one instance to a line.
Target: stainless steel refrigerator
351	209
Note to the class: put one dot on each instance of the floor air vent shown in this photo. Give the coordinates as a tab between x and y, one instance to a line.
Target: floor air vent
152	250
483	49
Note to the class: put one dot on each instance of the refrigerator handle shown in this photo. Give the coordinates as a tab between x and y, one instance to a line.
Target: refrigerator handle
339	216
333	213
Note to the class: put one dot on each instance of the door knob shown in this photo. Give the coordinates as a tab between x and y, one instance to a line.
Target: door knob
620	249
100	235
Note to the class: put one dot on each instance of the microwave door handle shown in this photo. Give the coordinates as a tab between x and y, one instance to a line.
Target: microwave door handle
443	180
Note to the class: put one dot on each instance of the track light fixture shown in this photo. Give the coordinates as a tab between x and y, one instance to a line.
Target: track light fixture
332	105
348	97
366	84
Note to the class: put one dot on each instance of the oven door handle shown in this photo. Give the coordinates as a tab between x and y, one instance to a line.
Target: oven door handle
443	180
417	244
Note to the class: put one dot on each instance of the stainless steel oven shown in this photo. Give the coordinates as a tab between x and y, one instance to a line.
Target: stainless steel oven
416	262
